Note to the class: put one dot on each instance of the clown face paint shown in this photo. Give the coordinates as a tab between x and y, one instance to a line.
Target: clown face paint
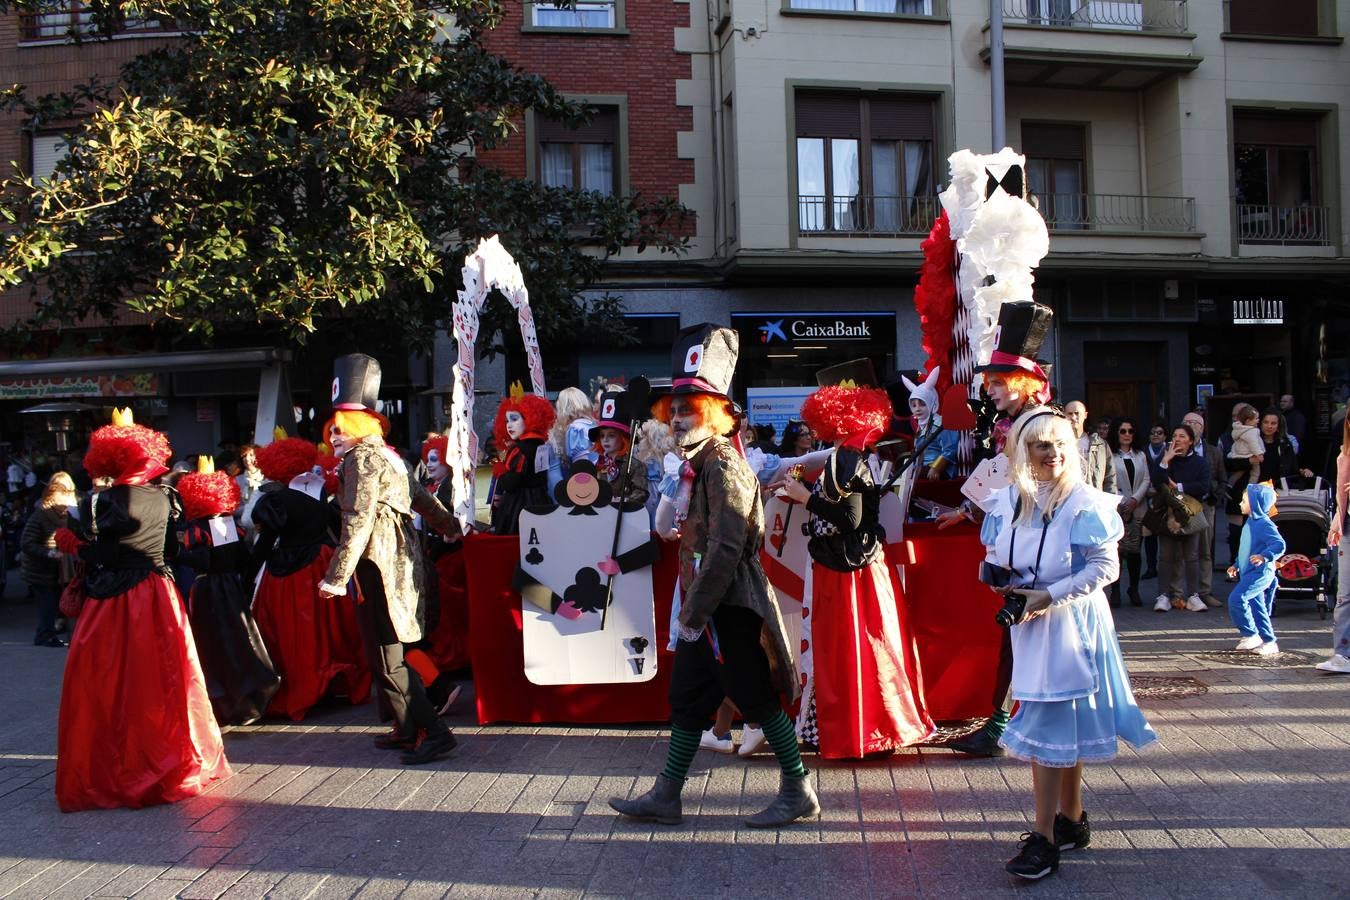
686	424
341	441
515	425
611	441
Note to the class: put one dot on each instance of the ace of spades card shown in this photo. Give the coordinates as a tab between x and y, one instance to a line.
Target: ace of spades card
563	591
786	561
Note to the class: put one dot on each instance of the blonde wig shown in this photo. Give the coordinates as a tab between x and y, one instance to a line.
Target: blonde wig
572	404
1040	425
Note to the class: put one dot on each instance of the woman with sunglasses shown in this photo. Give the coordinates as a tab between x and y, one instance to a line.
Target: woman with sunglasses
1153	451
1132	483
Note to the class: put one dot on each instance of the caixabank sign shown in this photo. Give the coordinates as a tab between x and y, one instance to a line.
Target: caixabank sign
788	330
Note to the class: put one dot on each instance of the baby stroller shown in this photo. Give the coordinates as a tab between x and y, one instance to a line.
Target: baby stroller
1308	567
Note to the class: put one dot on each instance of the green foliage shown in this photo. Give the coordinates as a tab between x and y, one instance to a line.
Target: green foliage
292	160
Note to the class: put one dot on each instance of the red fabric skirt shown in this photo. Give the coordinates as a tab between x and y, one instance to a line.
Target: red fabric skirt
314	641
449	642
136	726
869	697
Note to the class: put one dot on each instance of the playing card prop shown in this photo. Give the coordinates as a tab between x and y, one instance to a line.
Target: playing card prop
585	580
787	562
486	267
980	254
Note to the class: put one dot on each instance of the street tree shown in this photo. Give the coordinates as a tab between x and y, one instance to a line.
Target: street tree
288	161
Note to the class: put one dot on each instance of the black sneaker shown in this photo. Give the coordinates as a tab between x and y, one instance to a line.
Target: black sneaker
978	743
1071	835
431	748
1037	859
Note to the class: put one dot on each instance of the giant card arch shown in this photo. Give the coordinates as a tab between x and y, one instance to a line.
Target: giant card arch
488	266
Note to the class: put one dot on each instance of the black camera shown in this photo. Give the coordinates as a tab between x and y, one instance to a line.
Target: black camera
1014	608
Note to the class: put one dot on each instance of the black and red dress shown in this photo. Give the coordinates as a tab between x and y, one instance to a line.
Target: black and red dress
136	726
240	678
314	641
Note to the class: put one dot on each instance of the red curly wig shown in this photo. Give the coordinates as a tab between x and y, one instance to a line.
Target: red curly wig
538	414
208	494
713	411
858	415
284	459
440	443
118	451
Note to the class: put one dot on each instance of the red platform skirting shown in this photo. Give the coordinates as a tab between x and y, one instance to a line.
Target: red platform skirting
951	615
505	694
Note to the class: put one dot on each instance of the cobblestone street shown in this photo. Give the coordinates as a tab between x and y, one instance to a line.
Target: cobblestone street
1244	797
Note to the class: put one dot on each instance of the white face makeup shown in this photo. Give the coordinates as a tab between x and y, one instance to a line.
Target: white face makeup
341	442
1003	397
515	425
685	423
611	441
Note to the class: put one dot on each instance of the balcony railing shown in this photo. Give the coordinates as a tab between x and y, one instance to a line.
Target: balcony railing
1159	16
1117	212
865	214
73	18
1261	224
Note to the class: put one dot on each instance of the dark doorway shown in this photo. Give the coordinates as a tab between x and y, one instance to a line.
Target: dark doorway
1122	378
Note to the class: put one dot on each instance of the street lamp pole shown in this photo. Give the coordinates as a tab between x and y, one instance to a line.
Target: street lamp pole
997	111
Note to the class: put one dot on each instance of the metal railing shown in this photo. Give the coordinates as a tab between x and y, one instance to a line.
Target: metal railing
1116	212
865	214
73	18
1263	224
1162	16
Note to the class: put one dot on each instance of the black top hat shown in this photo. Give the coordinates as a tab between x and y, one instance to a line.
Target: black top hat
356	382
614	413
1022	326
703	360
854	373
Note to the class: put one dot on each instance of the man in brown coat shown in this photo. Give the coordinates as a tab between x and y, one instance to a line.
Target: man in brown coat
379	547
731	637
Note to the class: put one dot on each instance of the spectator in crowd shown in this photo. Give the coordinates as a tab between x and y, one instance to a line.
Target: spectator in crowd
1295	420
1280	459
1339	661
1132	480
570	435
797	439
1153	450
764	438
1181	470
1103	428
1218	496
250	477
40	557
1097	469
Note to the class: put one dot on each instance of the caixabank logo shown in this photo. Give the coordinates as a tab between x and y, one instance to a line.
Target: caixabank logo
826	329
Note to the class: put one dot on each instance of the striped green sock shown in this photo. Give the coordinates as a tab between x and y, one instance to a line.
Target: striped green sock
997	722
783	739
683	746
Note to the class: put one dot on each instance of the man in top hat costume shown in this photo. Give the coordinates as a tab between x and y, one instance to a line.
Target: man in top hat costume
731	637
1016	383
863	692
379	547
136	726
613	439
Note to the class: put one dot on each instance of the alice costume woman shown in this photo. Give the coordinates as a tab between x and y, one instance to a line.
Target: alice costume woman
1069	679
863	694
136	726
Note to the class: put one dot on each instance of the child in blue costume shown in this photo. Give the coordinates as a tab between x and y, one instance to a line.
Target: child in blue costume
1253	596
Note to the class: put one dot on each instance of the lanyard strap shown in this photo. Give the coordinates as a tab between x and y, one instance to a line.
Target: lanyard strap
1012	550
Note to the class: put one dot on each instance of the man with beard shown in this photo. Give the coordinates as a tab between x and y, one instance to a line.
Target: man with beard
731	637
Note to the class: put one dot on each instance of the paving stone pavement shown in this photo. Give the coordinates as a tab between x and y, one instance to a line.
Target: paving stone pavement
1245	796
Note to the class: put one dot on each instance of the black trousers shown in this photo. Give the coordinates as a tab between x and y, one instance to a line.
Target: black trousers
699	682
400	690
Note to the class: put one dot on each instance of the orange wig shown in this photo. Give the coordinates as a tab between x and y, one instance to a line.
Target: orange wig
713	411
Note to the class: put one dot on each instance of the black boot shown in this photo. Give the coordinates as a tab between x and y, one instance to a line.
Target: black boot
1132	565
1113	598
796	800
1038	858
431	748
661	804
977	743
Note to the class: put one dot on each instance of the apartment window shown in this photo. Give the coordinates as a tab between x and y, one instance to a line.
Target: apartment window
1288	17
903	7
61	19
47	151
585	15
1056	172
585	157
1277	187
865	162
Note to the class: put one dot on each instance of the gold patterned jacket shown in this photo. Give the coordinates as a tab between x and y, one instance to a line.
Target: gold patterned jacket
725	533
377	498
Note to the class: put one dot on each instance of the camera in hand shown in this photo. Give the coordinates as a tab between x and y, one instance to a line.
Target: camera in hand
1014	607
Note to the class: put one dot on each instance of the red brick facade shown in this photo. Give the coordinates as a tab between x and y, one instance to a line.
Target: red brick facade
642	65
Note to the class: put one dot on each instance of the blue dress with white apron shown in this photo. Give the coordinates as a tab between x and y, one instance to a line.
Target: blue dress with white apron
1074	693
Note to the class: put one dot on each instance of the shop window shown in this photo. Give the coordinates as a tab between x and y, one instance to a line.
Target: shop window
1289	17
586	158
1277	187
865	162
1056	172
584	15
